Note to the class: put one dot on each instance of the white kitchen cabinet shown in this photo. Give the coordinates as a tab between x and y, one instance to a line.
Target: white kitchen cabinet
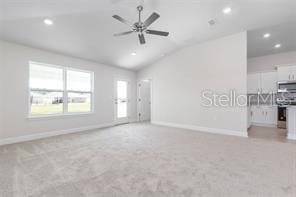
293	73
262	82
287	73
284	73
270	115
254	83
291	122
257	115
264	115
268	82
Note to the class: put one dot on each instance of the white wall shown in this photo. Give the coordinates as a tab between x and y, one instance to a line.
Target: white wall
269	62
1	89
16	92
179	79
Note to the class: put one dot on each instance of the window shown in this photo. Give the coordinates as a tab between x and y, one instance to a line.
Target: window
58	90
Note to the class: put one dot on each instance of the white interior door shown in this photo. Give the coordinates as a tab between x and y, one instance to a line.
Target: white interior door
144	100
121	101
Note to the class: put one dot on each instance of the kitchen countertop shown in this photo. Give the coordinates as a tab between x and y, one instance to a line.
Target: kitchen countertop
292	106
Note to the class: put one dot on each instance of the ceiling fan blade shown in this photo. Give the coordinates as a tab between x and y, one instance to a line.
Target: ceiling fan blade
159	33
153	17
123	33
142	38
122	20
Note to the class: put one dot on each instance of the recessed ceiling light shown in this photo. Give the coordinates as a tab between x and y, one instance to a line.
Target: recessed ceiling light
227	10
47	21
277	46
267	35
133	53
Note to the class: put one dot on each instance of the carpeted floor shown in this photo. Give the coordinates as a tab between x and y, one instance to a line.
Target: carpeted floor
151	161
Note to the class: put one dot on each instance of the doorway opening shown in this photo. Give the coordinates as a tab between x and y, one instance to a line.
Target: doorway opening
144	100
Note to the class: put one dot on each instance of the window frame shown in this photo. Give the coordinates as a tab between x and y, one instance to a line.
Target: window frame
64	92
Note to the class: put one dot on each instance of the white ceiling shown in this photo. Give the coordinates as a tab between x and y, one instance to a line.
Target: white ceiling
85	28
284	34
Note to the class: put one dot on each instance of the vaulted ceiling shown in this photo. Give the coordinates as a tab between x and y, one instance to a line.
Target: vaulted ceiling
85	28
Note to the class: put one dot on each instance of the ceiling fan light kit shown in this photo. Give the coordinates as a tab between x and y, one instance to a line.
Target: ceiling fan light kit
140	27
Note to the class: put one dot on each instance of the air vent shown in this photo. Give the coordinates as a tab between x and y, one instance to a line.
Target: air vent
212	22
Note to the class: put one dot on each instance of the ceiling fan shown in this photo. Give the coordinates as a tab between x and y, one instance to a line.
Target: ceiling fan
141	27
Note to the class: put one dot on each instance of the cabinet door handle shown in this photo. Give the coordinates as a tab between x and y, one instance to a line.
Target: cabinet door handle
289	77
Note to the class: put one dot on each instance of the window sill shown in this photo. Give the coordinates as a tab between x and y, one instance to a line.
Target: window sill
58	116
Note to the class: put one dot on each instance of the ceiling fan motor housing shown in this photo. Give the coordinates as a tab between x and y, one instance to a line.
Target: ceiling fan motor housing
139	27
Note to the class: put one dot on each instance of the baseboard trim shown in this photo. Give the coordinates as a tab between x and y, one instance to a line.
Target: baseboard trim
264	125
51	134
202	129
291	136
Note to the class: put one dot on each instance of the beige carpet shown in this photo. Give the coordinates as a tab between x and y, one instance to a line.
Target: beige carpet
145	160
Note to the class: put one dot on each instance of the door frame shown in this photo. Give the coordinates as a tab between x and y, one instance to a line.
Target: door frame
121	120
151	98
